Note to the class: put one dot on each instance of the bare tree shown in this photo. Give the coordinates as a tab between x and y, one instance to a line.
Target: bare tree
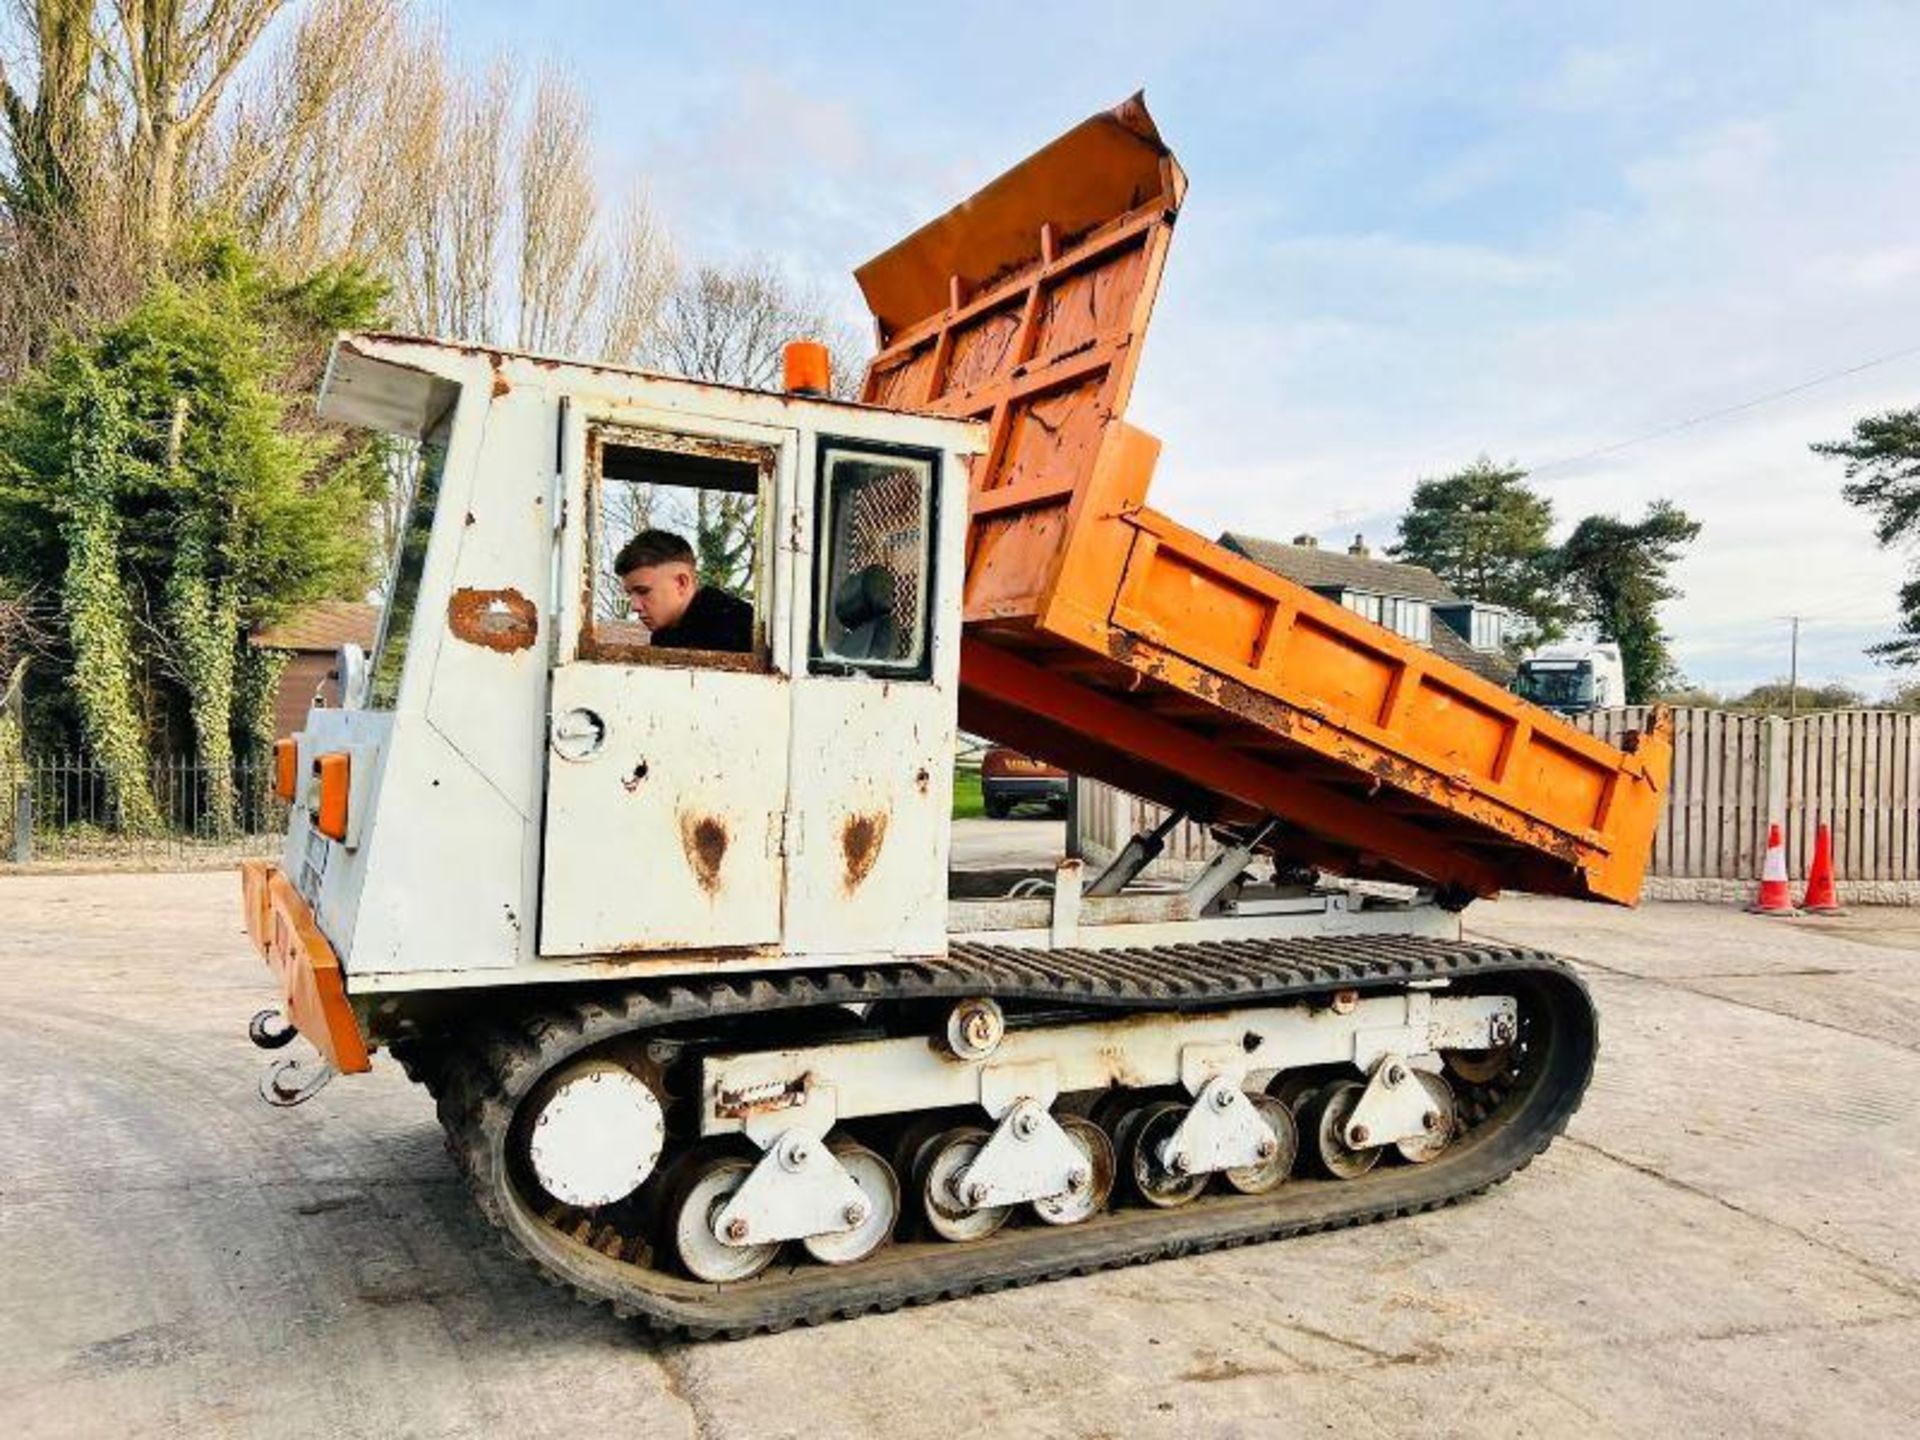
641	270
730	323
560	265
316	156
169	62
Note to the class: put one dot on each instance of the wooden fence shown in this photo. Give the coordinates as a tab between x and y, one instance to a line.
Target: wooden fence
1858	770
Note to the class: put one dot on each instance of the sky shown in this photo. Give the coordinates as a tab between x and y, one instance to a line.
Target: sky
1415	234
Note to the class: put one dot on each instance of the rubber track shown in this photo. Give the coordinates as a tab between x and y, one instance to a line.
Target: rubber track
480	1074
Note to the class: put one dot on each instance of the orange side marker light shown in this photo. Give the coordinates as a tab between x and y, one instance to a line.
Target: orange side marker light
335	773
286	759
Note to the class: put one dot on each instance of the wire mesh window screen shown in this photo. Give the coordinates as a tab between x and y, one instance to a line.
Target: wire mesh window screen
874	594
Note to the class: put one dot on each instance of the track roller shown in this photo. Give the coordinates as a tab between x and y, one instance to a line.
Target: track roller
703	1188
875	1227
1326	1124
1272	1172
1142	1132
940	1177
1090	1199
1442	1120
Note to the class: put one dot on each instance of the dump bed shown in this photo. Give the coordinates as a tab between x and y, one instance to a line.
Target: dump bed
1106	638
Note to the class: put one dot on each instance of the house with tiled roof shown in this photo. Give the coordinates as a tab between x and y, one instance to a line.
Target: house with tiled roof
312	637
1409	600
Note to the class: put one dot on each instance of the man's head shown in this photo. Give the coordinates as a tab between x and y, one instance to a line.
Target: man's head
656	570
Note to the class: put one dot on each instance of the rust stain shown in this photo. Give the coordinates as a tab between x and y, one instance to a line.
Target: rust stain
704	838
503	620
500	385
763	1098
860	841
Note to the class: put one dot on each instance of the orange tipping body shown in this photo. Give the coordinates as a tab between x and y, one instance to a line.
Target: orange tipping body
1108	640
282	929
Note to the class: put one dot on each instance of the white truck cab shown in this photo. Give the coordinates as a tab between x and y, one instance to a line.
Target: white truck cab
532	783
1573	679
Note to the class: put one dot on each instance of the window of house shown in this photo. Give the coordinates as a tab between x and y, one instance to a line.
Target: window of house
716	495
1410	618
873	589
1489	627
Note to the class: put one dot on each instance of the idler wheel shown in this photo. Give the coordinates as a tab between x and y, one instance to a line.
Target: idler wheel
940	1179
1327	1127
1479	1067
875	1224
706	1186
1270	1173
1141	1135
1091	1197
1442	1123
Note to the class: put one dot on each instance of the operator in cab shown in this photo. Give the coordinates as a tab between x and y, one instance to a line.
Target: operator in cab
657	570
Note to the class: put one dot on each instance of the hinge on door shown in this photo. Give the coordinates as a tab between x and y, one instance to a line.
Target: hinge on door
785	833
797	531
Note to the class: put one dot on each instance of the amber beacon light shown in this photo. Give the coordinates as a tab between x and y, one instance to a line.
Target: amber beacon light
806	368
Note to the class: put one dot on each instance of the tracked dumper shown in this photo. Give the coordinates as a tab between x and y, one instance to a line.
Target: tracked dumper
670	934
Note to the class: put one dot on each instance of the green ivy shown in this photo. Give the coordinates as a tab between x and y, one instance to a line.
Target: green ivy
93	599
165	476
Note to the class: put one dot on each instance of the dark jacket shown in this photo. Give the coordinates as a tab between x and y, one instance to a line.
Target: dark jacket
713	620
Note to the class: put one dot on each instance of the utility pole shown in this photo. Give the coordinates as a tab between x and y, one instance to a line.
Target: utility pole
1793	670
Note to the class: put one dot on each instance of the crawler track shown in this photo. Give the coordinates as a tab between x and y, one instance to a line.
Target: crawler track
480	1069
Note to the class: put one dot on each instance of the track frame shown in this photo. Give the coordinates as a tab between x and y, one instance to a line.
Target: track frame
479	1084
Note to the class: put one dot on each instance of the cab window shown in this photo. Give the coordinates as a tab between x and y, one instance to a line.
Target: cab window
873	585
673	504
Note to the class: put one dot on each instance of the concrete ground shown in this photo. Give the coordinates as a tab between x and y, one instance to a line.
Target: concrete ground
1029	838
1726	1243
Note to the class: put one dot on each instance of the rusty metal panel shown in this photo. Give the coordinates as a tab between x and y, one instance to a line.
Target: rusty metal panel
657	838
872	790
1109	640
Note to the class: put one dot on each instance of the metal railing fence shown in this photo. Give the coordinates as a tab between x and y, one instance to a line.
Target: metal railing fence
62	808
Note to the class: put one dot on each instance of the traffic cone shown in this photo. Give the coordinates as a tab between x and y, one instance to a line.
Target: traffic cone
1774	897
1822	898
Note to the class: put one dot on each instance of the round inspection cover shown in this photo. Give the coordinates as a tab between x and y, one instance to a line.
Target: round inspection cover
597	1135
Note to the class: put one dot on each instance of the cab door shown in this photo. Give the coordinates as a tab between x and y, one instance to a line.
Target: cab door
874	702
667	771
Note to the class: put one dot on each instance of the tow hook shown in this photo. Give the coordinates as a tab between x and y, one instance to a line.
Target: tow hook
294	1081
270	1030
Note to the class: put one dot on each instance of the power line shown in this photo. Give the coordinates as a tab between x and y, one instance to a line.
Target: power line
1720	414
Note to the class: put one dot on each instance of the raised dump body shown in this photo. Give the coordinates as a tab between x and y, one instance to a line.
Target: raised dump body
1106	638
